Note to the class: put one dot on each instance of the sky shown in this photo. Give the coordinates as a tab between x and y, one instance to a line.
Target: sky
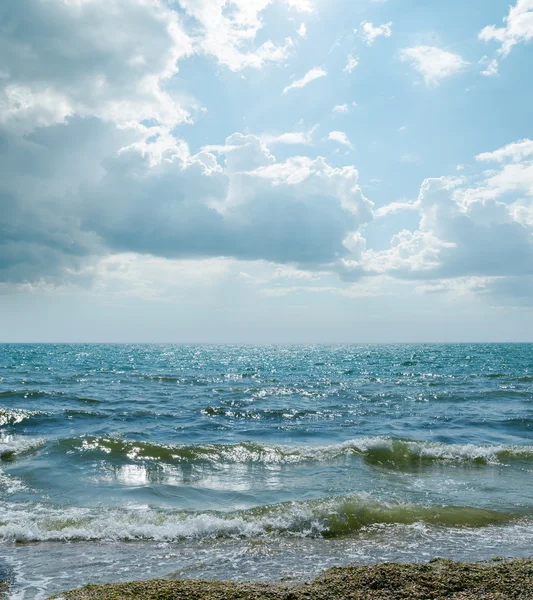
266	171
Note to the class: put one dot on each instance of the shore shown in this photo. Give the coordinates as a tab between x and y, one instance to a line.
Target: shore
494	580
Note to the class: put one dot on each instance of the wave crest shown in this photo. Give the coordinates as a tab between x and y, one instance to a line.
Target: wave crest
378	451
330	517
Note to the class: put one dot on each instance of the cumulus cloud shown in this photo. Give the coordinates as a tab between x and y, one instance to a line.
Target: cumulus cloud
96	183
176	205
480	227
434	64
340	137
518	27
311	75
229	29
97	58
299	211
90	164
515	152
371	34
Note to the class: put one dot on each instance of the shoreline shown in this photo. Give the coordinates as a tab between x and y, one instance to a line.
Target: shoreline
496	579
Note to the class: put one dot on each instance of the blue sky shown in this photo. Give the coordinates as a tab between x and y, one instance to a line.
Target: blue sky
266	170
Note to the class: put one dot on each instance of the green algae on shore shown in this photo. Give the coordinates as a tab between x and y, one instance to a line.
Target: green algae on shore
438	579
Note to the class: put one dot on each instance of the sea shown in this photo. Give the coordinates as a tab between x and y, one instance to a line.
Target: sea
259	463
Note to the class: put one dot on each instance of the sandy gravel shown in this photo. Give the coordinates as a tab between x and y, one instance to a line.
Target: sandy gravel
494	580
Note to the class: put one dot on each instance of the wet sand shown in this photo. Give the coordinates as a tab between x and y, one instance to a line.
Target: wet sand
494	580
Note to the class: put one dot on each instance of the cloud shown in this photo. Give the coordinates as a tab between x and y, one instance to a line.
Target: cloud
301	5
302	31
490	67
71	97
311	75
518	27
169	203
371	34
228	30
515	152
90	164
351	64
434	64
340	137
298	211
292	137
79	64
151	277
395	207
341	108
475	227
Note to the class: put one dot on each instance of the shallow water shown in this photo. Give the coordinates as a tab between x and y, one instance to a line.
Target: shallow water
133	461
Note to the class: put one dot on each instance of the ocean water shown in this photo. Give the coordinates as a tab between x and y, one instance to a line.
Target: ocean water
122	462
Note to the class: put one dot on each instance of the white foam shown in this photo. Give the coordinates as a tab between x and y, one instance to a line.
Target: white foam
27	523
17	444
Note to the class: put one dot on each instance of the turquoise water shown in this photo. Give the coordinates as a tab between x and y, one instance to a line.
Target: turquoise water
133	461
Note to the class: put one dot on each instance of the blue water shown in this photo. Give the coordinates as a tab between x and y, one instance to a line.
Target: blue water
134	461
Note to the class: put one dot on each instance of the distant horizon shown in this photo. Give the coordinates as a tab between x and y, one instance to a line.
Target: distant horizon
237	343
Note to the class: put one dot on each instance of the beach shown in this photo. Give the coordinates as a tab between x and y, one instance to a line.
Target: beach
440	579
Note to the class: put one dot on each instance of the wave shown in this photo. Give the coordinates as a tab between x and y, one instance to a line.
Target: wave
385	452
259	414
511	377
326	518
36	394
16	416
377	451
12	446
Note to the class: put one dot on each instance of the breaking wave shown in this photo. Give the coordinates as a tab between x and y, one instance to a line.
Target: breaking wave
328	518
379	451
12	446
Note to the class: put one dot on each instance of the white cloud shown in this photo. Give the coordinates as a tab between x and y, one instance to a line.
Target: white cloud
340	137
292	137
302	30
228	35
434	64
351	64
228	30
89	166
155	198
301	5
297	211
518	27
341	108
311	75
468	227
490	67
515	152
458	286
395	207
152	277
371	33
122	77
